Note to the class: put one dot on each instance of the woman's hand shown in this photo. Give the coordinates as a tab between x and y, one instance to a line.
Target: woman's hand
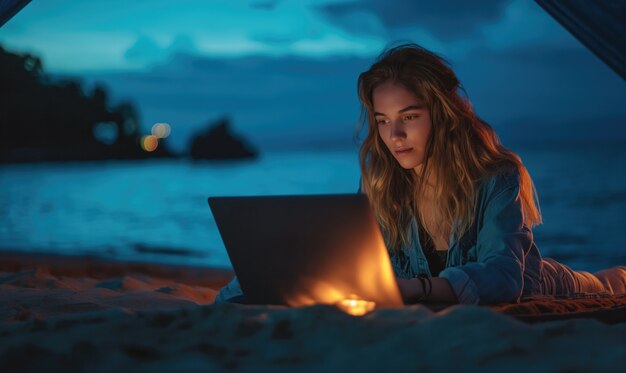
411	290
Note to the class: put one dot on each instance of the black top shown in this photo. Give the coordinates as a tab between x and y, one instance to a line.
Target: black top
436	258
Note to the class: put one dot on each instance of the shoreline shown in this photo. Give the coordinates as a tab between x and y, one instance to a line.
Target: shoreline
101	268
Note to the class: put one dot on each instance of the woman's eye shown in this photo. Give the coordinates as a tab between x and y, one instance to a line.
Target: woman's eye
381	121
410	117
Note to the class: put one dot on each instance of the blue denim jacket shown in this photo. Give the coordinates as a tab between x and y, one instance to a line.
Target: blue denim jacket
496	260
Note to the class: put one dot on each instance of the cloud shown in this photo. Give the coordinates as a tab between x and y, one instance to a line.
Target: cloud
182	44
264	5
360	21
275	40
524	91
525	23
446	19
146	50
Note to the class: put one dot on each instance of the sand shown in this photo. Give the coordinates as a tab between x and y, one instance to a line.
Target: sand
86	314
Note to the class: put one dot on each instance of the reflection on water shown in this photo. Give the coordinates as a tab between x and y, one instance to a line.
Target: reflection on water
157	210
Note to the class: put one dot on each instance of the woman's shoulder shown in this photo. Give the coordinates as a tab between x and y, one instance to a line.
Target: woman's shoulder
503	178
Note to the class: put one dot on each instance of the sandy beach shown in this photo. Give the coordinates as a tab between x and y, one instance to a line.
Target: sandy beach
85	314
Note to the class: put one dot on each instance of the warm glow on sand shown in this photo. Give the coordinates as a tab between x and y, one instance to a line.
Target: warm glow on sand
161	130
149	143
355	306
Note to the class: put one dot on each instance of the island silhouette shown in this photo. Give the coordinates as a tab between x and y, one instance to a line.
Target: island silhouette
217	141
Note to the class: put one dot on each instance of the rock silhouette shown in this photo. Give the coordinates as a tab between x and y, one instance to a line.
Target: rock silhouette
42	120
217	142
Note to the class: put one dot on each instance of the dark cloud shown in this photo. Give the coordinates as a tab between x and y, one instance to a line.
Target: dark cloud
264	5
446	19
145	49
182	44
275	40
527	92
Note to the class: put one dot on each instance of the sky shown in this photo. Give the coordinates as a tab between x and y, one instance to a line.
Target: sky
280	59
75	36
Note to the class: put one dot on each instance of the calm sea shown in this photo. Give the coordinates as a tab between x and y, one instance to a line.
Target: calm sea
157	210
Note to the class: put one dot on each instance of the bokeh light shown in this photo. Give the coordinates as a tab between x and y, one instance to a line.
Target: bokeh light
149	143
161	130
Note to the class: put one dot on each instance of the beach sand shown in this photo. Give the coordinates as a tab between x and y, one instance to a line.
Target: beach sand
78	314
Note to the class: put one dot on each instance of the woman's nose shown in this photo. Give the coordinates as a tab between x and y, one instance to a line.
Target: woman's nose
397	130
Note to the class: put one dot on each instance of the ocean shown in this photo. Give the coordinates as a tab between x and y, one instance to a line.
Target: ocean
157	211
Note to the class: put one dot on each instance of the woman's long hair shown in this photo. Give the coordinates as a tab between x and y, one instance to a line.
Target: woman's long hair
462	150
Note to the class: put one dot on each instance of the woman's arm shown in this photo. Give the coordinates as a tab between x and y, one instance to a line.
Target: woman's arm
503	240
230	291
412	290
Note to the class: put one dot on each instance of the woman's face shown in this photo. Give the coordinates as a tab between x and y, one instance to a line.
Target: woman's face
403	123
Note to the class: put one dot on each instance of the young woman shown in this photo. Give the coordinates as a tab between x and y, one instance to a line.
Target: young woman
455	207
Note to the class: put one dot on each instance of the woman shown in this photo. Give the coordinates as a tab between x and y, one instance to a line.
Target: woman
455	207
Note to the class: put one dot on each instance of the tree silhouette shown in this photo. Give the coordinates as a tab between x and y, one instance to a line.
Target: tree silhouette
41	120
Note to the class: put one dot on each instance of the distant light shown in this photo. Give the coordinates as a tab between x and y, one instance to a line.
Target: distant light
161	130
149	143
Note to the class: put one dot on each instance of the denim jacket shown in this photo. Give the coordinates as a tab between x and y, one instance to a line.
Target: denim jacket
495	261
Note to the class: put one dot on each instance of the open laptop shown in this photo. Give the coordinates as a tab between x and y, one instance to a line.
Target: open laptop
306	249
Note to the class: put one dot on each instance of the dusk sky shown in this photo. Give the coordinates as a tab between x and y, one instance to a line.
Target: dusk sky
516	62
114	34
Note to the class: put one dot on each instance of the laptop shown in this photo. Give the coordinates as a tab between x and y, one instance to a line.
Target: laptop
300	250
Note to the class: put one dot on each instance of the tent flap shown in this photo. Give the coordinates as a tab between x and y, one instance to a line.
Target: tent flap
598	24
9	8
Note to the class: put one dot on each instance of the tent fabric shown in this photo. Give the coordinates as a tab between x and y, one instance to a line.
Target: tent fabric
598	24
9	8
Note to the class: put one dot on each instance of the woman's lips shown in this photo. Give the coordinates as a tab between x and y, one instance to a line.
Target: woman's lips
404	151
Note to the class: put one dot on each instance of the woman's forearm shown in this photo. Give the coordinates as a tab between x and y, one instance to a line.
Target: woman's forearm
441	292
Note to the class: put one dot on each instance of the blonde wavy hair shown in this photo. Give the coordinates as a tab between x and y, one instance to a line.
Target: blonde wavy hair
461	152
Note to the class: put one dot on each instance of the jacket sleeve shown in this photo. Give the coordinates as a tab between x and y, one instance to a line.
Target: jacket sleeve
231	290
503	239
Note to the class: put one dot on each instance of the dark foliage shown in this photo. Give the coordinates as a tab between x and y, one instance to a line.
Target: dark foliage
41	120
